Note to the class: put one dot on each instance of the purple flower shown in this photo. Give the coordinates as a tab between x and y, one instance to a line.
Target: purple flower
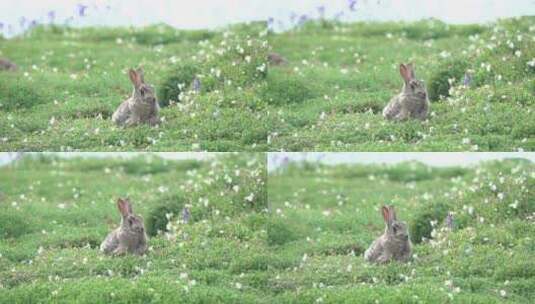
185	215
352	5
449	221
302	19
32	24
270	23
467	81
22	21
321	11
81	9
1	26
51	16
196	86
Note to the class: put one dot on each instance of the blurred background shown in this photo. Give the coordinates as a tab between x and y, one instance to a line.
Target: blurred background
8	157
280	160
16	16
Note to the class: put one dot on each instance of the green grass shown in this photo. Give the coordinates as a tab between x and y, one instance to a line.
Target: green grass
70	82
340	76
324	217
303	244
328	98
55	212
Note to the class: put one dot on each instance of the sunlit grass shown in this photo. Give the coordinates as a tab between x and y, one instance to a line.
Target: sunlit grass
56	212
324	218
70	81
340	76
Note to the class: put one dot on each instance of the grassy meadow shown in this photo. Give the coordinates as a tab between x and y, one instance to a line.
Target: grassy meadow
294	236
324	218
70	81
339	77
55	212
328	97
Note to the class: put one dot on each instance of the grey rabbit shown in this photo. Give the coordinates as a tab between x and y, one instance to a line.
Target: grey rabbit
130	236
394	244
413	100
141	107
6	65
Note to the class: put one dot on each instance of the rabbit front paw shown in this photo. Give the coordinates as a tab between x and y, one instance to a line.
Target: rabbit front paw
402	115
131	121
120	251
384	258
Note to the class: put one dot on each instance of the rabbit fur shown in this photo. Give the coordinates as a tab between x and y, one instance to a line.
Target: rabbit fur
130	236
394	244
6	65
141	107
413	100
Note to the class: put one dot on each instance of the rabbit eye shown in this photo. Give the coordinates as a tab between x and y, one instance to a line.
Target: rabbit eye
142	91
131	222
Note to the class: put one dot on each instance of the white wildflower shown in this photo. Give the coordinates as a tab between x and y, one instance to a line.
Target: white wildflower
514	205
250	197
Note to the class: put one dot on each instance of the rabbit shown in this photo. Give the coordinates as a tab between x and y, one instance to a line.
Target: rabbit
394	244
276	59
142	107
130	237
6	65
413	100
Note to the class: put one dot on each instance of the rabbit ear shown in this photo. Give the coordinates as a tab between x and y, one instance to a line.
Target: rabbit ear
386	214
392	213
134	77
404	72
128	206
141	75
123	207
410	67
